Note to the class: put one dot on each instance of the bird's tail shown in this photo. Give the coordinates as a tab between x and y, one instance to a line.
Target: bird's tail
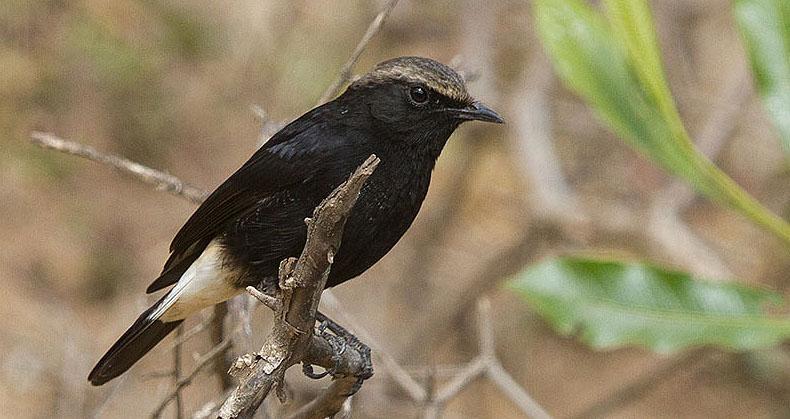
140	338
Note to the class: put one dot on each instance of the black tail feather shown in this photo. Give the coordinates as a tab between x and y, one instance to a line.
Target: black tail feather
140	338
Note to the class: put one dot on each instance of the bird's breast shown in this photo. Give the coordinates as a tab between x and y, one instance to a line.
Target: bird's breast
388	204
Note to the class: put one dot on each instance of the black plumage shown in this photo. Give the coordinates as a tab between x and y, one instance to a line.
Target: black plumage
403	111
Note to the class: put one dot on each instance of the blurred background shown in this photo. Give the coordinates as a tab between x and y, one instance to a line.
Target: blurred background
171	84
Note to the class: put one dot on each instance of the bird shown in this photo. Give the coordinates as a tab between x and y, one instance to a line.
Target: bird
403	111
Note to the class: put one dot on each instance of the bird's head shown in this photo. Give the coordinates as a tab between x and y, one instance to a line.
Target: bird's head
417	100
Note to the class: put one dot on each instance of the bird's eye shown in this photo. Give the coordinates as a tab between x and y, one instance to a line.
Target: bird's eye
418	95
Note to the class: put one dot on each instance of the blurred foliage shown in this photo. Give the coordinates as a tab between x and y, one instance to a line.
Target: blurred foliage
51	51
615	65
127	72
614	303
765	26
185	37
108	267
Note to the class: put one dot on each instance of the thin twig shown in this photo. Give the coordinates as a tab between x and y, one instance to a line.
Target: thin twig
415	391
485	364
515	392
345	70
219	332
200	364
161	180
639	387
494	370
183	337
472	371
177	373
271	302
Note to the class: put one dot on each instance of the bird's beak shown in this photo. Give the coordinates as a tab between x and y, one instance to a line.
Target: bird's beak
478	111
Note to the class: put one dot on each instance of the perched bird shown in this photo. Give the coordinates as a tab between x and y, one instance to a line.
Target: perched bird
404	111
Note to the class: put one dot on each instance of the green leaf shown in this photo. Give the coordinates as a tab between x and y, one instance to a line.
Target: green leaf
632	23
615	66
765	27
613	303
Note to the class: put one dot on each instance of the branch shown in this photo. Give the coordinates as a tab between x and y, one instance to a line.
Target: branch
237	306
177	373
640	386
415	391
161	180
302	282
345	71
201	363
485	364
185	336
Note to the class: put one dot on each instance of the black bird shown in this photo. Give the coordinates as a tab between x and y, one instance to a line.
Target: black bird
403	111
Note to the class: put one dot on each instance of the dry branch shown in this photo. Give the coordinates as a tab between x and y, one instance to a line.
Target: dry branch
177	373
345	71
201	363
161	180
415	391
637	388
301	282
485	364
182	338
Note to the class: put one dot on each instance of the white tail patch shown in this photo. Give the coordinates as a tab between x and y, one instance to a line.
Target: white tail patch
204	284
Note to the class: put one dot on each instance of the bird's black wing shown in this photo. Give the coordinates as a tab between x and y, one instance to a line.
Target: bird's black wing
291	156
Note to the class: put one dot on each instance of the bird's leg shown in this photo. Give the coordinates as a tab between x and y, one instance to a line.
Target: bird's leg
340	339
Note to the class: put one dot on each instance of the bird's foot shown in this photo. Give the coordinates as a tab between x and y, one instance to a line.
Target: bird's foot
341	340
339	346
367	368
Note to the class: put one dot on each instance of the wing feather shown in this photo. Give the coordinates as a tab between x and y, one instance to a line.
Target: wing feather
291	156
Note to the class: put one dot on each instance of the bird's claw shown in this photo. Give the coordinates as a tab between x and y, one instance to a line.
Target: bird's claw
307	370
339	346
340	339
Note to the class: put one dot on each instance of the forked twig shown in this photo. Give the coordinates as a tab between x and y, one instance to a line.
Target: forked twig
201	363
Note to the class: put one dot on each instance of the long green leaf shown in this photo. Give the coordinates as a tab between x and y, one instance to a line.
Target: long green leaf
765	27
612	304
616	67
